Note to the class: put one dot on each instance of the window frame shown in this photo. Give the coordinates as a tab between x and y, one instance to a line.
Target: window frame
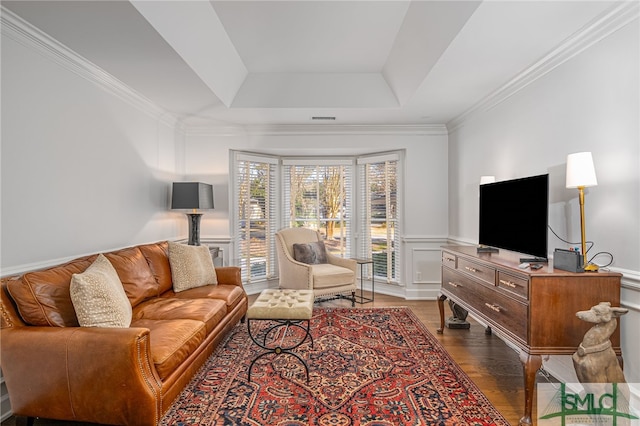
356	241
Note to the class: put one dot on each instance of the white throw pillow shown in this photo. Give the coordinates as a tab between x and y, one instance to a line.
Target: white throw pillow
191	266
99	298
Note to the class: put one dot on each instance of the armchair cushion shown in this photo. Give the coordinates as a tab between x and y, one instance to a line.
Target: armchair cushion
310	253
98	296
327	275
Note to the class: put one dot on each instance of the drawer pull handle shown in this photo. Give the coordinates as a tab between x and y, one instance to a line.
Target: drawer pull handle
448	259
508	283
452	284
474	270
492	307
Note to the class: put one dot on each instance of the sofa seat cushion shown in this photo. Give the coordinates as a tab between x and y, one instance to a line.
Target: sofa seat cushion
232	295
172	341
208	311
326	275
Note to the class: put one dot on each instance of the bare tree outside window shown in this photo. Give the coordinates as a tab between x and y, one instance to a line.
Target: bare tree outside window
317	200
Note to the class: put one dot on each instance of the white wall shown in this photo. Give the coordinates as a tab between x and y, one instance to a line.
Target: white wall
589	103
207	159
82	170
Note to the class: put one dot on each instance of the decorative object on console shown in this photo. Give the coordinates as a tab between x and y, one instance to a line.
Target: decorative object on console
459	318
595	361
192	196
582	174
568	260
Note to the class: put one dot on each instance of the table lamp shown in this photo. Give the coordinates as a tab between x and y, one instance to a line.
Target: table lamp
582	174
193	196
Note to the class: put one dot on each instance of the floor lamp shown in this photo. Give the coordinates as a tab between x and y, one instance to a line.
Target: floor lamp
193	196
581	174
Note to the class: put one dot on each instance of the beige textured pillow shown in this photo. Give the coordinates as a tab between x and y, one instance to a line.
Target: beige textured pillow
98	296
191	266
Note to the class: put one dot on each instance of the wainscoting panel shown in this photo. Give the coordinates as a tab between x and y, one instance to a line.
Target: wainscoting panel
422	274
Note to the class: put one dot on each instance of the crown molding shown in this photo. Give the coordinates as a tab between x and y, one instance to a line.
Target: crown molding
319	129
610	21
30	36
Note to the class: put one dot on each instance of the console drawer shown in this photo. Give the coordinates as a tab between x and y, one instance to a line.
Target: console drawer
514	284
479	271
458	285
448	260
503	311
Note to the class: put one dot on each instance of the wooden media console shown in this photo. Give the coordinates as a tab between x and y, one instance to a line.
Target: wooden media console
534	310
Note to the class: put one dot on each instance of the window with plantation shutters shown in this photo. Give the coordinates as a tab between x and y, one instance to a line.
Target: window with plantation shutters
353	201
379	177
255	217
317	194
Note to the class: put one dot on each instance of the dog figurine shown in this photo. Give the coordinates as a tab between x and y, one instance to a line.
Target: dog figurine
595	361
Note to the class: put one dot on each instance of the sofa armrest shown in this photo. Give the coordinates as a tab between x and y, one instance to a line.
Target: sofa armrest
229	275
83	374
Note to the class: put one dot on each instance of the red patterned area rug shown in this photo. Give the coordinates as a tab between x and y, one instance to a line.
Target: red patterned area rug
377	366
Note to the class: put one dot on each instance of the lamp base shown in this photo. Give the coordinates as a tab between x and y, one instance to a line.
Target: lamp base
591	267
194	228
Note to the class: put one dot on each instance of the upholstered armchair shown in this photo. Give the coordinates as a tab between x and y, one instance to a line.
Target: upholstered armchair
316	269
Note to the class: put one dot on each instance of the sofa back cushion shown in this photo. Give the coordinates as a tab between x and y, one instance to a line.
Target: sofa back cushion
43	298
157	255
135	274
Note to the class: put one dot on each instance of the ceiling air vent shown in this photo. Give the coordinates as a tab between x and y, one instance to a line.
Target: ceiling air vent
327	118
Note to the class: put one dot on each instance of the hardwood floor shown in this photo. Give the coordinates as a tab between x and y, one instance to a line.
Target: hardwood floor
487	360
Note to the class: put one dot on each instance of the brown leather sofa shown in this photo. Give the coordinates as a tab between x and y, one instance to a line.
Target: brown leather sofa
56	369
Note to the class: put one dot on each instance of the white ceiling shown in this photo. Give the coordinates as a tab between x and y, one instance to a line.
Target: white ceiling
282	62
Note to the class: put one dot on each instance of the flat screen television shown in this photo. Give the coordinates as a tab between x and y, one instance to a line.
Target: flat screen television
514	215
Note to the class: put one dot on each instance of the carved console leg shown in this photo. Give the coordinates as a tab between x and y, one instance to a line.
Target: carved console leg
441	300
531	365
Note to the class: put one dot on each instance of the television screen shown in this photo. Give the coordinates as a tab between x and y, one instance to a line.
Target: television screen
514	215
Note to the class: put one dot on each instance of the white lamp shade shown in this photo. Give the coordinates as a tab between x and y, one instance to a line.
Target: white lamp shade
487	179
580	170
